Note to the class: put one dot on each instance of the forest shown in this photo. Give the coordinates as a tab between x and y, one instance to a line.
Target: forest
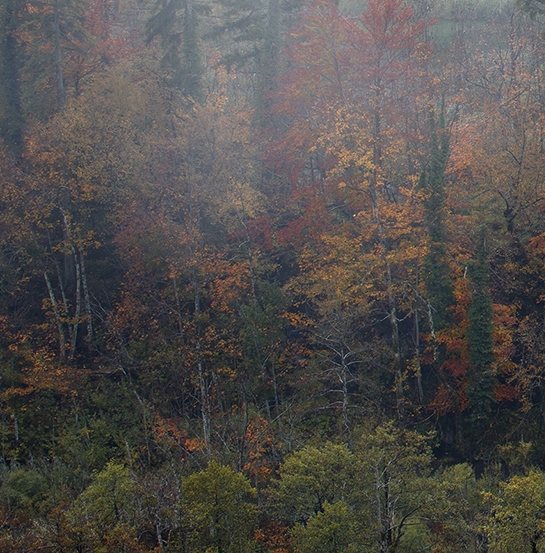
272	276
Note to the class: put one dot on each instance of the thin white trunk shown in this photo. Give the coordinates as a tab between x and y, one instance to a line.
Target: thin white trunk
205	398
344	382
178	307
400	396
64	298
77	314
418	363
87	298
54	304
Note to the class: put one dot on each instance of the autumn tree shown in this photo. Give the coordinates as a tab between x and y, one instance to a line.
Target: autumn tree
332	530
458	511
343	90
65	44
391	491
348	366
250	37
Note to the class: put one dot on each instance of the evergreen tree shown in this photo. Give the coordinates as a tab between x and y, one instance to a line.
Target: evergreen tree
175	22
11	117
437	277
191	75
481	344
268	58
436	271
243	24
254	34
533	7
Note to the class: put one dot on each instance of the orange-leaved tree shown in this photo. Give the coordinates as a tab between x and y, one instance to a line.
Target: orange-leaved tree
352	152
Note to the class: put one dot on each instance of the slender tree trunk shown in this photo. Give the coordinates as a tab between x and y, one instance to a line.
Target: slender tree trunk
344	384
64	298
378	499
86	297
192	66
15	427
417	353
243	218
77	313
377	150
268	63
74	325
178	308
62	339
145	421
275	389
396	344
373	192
205	397
443	379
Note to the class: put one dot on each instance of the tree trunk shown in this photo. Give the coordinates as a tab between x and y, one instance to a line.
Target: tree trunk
62	338
205	397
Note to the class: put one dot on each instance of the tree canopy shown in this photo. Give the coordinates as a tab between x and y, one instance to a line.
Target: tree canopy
271	276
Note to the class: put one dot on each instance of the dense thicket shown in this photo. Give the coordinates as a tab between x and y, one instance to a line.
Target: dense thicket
271	276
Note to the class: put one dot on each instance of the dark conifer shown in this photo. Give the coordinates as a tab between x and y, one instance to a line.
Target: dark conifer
480	340
437	277
11	116
175	23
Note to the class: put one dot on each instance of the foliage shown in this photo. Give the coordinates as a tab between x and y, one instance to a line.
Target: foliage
394	466
516	521
310	479
332	530
323	270
26	491
218	510
436	272
181	45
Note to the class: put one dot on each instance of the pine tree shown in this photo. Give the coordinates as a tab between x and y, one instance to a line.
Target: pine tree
436	271
11	116
191	75
533	7
268	57
175	22
436	275
253	33
480	340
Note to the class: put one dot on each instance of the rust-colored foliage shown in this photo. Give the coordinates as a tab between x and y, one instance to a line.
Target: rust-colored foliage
275	536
